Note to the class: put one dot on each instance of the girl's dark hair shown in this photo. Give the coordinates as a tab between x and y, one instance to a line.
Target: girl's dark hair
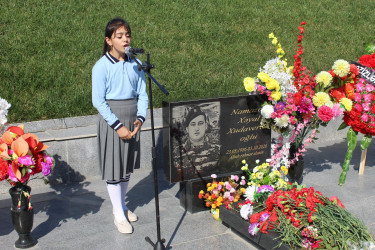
111	27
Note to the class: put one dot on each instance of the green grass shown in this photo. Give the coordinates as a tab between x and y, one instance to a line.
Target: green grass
201	49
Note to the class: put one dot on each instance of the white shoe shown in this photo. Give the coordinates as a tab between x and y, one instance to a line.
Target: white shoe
132	217
124	227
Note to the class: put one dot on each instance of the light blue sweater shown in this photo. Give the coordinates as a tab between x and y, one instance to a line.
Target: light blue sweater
117	80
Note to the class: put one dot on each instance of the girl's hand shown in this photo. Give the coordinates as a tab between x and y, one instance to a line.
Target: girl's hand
124	133
137	127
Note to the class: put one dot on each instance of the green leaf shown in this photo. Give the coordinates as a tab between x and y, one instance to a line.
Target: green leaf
342	126
366	140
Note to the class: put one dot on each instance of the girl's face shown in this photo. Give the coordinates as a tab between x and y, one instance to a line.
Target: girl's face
119	41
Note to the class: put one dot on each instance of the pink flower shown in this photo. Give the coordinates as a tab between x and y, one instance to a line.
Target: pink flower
364	117
358	107
337	110
227	185
359	87
226	195
357	97
46	168
214	176
234	177
325	113
369	88
48	159
306	105
366	106
12	176
243	182
367	97
26	160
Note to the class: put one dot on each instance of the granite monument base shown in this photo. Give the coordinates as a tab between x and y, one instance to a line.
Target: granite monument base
189	192
232	219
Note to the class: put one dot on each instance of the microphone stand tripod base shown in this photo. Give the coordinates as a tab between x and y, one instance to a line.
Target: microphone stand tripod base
159	245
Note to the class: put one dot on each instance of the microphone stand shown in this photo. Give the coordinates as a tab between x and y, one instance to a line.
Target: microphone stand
146	67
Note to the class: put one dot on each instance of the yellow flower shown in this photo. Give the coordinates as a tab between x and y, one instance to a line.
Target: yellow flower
221	183
320	99
347	103
272	84
276	172
209	184
201	192
243	161
284	169
213	206
249	84
341	68
253	176
243	190
264	77
324	78
274	41
276	95
271	35
280	51
220	199
244	168
214	185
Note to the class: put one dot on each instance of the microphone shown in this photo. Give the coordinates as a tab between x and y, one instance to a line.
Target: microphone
133	51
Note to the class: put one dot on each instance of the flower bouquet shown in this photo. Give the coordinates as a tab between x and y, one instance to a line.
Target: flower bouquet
302	217
298	102
222	192
22	155
361	116
305	218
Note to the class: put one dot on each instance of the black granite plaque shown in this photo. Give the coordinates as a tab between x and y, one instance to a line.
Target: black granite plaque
213	136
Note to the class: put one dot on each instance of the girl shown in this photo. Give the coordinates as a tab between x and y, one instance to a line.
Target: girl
119	94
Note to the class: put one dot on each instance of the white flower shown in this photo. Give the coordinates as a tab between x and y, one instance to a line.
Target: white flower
267	111
250	191
260	175
341	68
246	211
276	69
282	122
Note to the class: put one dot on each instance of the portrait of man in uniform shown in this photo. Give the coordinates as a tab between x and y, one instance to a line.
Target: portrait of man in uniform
196	145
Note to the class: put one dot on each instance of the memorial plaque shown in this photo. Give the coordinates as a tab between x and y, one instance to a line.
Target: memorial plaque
213	136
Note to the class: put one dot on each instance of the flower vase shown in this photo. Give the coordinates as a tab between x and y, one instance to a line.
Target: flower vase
22	215
295	170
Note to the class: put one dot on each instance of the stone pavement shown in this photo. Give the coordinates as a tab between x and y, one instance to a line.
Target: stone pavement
80	215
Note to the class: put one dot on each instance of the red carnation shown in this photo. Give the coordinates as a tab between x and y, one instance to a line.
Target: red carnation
337	94
254	218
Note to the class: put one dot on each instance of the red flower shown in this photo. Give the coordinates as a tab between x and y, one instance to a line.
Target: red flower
349	90
255	218
3	169
336	200
297	98
338	94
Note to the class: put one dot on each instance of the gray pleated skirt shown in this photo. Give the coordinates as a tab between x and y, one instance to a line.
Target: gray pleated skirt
118	157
